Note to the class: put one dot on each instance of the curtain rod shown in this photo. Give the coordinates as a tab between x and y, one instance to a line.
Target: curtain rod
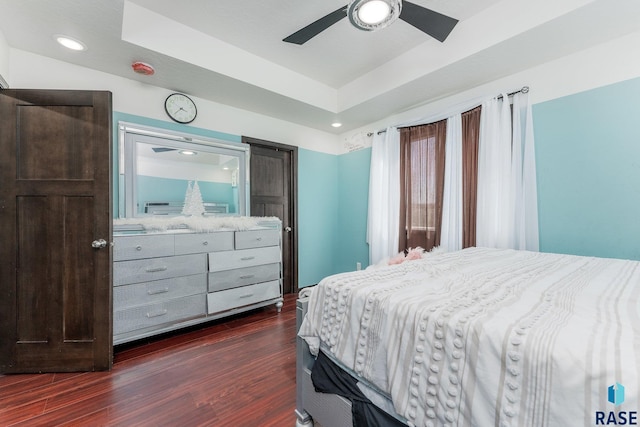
525	89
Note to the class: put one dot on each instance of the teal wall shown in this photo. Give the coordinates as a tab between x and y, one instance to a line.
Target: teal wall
353	201
317	215
588	166
332	213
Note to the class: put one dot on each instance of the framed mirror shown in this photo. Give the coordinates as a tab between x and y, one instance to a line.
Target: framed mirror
160	170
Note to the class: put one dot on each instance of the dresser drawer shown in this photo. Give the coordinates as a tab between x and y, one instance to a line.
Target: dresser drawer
159	290
146	270
227	279
203	242
238	297
229	260
257	238
142	246
151	315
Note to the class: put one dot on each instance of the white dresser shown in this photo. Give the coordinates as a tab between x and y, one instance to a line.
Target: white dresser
166	281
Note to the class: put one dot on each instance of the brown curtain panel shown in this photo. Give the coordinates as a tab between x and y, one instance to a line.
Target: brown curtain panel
470	142
422	156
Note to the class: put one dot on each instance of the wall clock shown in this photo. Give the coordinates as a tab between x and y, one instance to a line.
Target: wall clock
180	108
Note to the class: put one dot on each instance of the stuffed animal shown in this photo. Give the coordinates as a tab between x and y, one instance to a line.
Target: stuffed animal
412	253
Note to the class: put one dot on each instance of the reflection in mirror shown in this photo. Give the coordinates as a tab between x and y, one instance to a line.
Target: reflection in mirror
161	171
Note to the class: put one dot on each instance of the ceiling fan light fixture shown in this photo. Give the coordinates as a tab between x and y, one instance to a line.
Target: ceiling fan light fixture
374	12
371	15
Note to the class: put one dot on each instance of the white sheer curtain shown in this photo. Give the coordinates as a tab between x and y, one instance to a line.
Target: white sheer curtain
451	229
528	236
490	175
507	213
384	196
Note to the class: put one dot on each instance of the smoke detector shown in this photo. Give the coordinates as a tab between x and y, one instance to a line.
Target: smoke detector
143	68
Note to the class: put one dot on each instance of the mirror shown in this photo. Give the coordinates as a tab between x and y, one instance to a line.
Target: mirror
159	172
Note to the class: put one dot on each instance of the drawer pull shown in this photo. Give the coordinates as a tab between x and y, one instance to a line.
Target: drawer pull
156	269
249	276
157	313
258	238
247	258
158	291
205	243
138	248
246	295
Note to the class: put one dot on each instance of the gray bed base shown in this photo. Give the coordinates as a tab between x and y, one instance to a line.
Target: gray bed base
312	408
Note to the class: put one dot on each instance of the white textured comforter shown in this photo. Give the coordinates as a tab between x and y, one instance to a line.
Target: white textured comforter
486	337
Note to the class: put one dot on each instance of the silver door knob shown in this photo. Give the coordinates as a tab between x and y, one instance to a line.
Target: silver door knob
100	243
287	229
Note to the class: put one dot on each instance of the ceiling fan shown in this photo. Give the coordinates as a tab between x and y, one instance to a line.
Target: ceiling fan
371	15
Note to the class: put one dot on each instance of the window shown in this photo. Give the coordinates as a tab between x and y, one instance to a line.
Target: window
422	164
422	156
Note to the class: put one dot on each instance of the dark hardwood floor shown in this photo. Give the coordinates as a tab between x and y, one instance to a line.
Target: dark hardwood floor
237	372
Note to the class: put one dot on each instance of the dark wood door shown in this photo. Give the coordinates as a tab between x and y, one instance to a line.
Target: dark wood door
273	189
55	201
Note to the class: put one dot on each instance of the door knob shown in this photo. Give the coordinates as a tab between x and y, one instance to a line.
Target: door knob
287	229
100	243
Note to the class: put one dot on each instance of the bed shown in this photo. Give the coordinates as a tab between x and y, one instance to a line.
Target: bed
478	337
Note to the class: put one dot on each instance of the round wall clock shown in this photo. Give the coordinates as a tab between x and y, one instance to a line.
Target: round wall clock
180	108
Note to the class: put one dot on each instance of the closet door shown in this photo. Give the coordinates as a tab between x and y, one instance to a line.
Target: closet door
55	213
273	193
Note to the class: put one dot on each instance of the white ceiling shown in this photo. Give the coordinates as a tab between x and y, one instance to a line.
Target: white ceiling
231	51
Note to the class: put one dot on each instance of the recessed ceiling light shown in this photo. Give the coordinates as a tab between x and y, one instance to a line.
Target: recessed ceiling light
70	43
336	124
187	152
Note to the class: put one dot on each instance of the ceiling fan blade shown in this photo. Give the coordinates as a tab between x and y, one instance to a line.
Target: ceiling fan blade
435	24
304	35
